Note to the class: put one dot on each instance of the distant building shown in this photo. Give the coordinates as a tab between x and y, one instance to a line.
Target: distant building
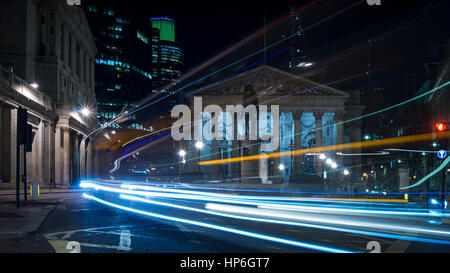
124	62
168	57
438	111
309	118
47	55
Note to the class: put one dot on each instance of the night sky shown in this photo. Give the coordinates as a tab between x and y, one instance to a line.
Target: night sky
205	28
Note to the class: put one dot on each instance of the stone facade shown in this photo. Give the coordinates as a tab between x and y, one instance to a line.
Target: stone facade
49	43
304	105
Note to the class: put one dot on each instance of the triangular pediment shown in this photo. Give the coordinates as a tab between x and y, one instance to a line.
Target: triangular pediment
271	81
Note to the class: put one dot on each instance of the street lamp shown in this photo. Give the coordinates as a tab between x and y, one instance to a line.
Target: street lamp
199	145
322	156
334	165
281	167
182	153
346	172
329	161
85	112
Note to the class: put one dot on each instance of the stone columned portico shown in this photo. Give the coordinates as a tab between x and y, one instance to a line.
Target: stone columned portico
309	116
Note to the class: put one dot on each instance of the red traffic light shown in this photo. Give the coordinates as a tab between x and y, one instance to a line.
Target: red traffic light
440	127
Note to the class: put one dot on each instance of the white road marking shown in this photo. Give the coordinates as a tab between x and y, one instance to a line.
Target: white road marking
54	236
106	246
125	239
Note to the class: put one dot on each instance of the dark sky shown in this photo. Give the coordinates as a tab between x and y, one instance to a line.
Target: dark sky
206	28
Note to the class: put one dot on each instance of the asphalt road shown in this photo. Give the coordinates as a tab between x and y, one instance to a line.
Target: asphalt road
97	228
100	229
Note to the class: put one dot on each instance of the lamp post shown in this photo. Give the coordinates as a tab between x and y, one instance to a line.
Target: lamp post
199	146
182	154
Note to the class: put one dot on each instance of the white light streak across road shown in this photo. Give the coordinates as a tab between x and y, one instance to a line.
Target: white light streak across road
388	220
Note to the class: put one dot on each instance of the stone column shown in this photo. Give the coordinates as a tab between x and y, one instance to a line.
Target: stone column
51	132
250	169
57	31
297	115
81	65
59	162
66	157
77	162
13	147
83	159
235	152
89	161
86	70
33	158
339	118
92	70
46	153
275	161
66	45
47	34
215	155
319	134
403	173
73	53
5	144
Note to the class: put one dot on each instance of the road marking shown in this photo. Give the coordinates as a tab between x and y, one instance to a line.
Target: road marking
106	246
52	236
60	246
125	239
399	246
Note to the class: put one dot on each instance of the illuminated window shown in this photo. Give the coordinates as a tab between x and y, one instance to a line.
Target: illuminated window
92	9
142	37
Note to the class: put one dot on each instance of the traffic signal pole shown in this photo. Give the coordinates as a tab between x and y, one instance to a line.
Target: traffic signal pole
18	173
18	142
24	178
22	117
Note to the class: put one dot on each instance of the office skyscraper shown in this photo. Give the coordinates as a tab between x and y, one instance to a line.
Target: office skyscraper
124	63
168	57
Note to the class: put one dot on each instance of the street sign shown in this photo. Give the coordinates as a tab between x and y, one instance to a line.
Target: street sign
442	154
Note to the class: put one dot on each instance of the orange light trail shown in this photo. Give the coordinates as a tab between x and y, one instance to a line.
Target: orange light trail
364	144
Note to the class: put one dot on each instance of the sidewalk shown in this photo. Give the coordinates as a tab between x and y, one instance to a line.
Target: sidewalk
42	191
24	221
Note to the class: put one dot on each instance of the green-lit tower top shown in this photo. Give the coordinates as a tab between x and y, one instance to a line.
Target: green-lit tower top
166	28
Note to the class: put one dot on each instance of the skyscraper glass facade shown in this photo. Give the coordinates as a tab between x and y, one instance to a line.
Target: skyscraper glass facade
167	55
124	63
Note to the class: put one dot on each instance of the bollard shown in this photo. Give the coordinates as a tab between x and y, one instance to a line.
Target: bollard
34	190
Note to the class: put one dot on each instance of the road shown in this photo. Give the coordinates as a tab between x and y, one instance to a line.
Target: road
100	229
183	223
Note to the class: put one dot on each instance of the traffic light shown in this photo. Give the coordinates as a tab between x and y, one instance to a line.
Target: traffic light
22	117
440	127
